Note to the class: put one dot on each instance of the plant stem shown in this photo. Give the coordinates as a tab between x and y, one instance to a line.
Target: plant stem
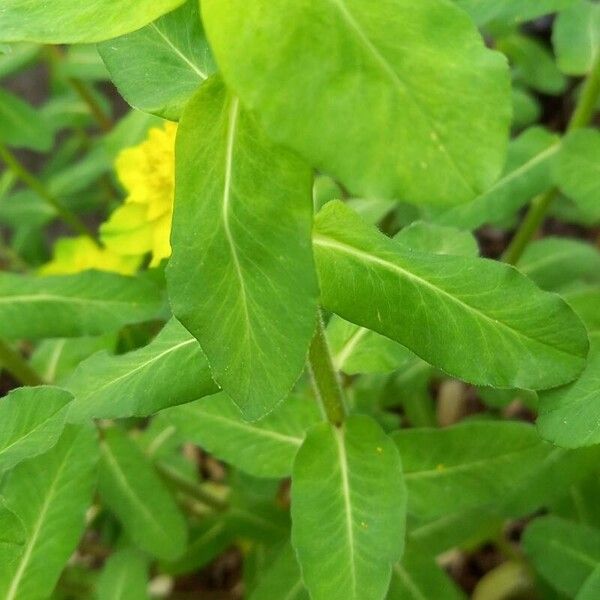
39	188
17	366
326	383
582	115
192	489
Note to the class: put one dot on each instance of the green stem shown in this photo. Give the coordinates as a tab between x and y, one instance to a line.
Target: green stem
39	188
581	117
325	378
17	366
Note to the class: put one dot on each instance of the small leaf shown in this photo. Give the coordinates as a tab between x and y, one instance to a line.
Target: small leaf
31	421
348	510
478	320
576	37
388	93
159	67
564	553
466	465
21	125
170	370
124	577
89	303
50	495
68	22
241	278
135	493
578	170
264	448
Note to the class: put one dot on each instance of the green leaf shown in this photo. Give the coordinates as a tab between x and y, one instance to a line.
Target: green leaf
264	448
553	262
89	303
589	590
21	125
466	465
50	494
438	239
136	494
69	22
241	229
170	370
348	510
282	579
526	108
511	11
159	67
369	78
569	415
418	577
576	38
124	577
585	300
31	421
564	553
12	540
578	170
478	320
528	172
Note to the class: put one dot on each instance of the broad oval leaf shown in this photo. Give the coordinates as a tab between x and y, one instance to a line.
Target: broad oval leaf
31	421
50	494
170	370
88	303
124	577
564	553
136	494
241	278
467	465
348	510
264	448
371	79
478	320
159	67
69	22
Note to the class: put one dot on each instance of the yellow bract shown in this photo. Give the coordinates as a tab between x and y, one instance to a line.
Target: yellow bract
72	255
143	224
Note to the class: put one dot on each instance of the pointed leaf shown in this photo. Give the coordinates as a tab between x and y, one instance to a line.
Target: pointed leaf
21	125
135	493
31	421
348	510
264	448
479	320
50	494
391	96
124	577
241	277
170	370
159	67
89	303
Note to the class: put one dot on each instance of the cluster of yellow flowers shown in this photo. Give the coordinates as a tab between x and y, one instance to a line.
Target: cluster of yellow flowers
141	226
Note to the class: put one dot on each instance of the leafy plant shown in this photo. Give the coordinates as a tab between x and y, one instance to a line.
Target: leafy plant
291	314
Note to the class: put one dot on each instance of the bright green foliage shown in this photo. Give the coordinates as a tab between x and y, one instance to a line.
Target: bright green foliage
578	171
394	120
11	542
565	554
31	421
50	495
468	465
66	21
88	303
124	577
240	281
21	126
576	37
141	382
348	503
439	239
264	448
510	11
159	67
131	488
520	331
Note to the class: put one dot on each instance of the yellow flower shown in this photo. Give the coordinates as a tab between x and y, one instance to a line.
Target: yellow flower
143	224
72	255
